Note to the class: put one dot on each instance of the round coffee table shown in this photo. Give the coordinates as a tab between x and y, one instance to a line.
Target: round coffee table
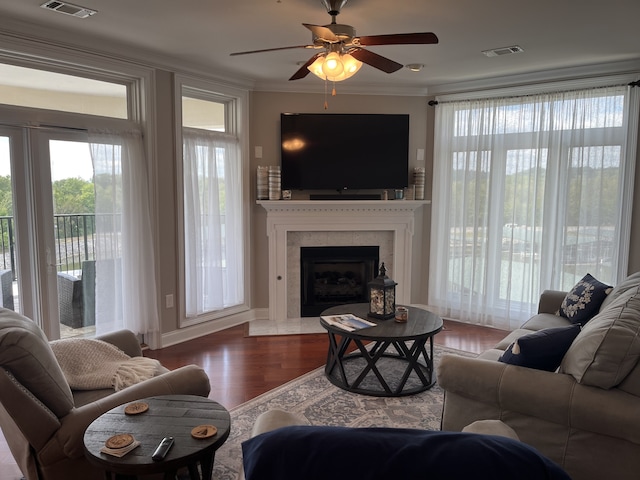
167	416
391	358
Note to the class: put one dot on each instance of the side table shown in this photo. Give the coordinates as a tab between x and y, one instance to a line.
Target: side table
168	415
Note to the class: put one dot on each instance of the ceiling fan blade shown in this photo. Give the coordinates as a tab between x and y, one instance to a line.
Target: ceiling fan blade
271	49
323	33
375	60
303	71
399	39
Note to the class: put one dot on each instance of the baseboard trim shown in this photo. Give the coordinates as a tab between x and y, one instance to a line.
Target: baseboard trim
192	332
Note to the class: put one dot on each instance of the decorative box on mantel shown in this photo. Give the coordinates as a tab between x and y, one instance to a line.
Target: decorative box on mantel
322	216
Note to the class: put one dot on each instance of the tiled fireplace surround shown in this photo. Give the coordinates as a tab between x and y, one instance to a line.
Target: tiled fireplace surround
292	224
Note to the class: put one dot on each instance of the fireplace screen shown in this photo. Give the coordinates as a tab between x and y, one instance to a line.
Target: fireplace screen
333	276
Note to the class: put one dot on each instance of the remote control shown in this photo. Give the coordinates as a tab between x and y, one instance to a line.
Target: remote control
162	449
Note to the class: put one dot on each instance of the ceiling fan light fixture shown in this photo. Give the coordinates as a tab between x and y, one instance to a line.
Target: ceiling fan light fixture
316	67
349	66
332	66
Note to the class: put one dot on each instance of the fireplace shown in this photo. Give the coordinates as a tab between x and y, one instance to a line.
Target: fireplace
335	275
293	224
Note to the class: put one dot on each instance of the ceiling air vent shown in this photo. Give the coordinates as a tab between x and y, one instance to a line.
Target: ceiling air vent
497	52
68	9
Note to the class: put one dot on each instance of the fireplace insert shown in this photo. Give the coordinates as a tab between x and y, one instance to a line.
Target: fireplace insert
331	276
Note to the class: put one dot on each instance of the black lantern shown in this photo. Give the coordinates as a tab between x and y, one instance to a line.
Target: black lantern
382	296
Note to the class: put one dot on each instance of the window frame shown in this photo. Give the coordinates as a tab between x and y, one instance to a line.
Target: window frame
236	123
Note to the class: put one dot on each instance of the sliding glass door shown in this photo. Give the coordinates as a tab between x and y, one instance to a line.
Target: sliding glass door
47	228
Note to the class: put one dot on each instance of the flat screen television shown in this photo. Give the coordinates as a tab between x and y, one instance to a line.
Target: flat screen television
344	151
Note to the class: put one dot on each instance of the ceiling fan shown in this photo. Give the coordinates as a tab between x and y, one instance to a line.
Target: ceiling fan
342	52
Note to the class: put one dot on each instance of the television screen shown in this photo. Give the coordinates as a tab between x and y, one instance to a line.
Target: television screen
344	151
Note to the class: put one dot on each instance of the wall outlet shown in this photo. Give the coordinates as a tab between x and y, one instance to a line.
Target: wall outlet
168	301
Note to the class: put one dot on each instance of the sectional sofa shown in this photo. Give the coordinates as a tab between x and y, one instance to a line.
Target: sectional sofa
583	413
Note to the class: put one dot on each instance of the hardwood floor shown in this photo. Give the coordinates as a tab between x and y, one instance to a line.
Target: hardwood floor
242	367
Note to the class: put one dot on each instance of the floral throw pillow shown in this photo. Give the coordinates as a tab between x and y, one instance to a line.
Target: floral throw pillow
584	300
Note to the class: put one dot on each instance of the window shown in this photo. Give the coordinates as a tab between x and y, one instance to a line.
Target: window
29	87
530	193
213	219
204	114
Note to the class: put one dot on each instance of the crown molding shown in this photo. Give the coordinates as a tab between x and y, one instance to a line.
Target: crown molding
582	73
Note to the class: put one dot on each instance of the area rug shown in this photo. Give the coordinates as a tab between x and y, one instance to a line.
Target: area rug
314	397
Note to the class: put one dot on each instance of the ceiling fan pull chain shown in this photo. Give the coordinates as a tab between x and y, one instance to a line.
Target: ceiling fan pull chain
326	103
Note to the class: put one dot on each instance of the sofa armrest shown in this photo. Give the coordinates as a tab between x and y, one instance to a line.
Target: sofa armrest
270	420
187	380
550	301
125	340
549	396
535	393
276	418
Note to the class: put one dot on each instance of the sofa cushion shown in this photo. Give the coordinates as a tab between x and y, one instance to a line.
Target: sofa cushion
542	350
545	320
631	383
583	301
492	354
608	347
343	453
514	335
631	281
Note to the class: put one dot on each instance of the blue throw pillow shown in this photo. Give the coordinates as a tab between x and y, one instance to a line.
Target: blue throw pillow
584	300
542	350
341	453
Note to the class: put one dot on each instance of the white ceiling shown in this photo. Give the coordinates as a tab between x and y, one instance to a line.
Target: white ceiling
556	35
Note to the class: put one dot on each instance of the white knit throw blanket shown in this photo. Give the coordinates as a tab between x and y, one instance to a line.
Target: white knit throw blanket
90	364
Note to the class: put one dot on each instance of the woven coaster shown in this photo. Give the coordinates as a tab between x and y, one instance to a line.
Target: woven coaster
121	440
136	408
204	431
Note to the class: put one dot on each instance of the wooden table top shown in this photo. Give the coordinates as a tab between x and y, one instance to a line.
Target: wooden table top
421	323
168	416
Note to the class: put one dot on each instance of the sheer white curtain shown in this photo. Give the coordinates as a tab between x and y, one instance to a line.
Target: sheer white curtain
529	193
213	225
125	287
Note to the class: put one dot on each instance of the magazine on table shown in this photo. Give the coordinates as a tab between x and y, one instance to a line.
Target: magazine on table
348	322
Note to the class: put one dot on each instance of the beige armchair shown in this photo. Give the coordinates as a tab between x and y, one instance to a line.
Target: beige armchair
43	420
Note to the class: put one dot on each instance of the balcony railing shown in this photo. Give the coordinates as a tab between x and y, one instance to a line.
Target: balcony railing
75	240
75	237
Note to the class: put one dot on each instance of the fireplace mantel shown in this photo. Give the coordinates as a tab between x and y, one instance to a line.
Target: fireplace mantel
284	216
368	206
